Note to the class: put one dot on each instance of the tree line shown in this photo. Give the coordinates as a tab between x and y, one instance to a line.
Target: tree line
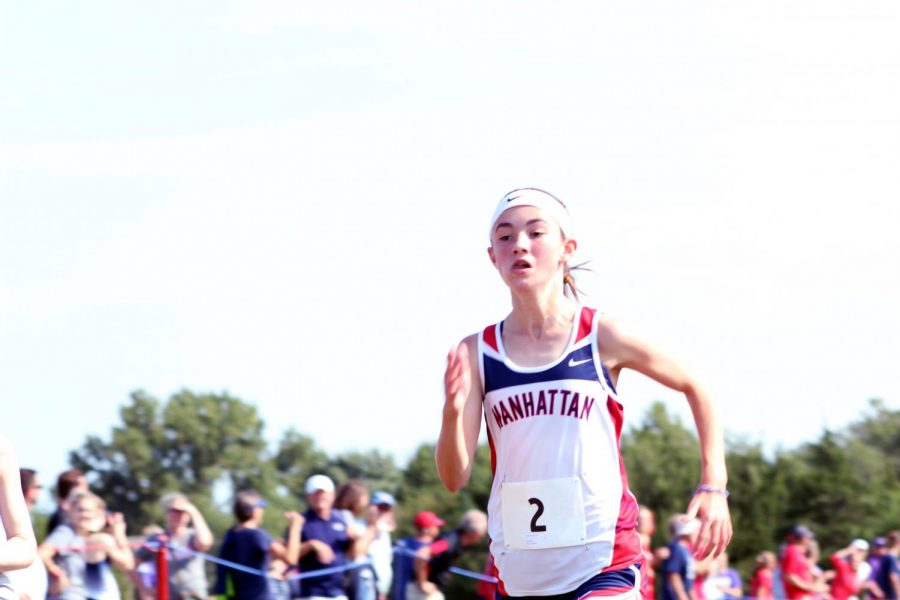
844	485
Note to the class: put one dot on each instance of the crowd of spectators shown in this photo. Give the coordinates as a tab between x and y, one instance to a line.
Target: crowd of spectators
340	548
859	571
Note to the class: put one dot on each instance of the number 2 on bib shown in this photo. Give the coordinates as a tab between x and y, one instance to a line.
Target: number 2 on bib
537	515
542	514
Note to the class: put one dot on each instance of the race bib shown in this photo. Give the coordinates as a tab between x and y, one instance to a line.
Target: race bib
543	514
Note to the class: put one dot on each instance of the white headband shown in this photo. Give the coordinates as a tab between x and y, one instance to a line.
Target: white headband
545	201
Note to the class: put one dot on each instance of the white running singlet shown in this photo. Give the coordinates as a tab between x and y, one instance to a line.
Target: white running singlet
560	510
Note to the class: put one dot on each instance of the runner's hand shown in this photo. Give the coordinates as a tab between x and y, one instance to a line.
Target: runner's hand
457	378
715	523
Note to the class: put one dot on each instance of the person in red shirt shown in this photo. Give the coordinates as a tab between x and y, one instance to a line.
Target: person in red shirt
761	584
845	562
796	568
646	527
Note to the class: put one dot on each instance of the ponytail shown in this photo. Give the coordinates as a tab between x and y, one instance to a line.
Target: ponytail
570	288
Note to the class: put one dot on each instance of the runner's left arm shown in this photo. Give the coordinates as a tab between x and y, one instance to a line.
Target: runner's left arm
619	350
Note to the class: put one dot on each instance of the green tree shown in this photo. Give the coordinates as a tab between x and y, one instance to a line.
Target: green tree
758	494
192	443
377	469
296	458
662	457
422	490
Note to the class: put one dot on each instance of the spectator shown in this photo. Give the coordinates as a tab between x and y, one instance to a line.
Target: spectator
248	545
796	568
846	562
79	553
31	486
761	585
863	568
380	550
351	503
433	562
427	525
646	527
30	582
678	570
877	550
889	571
488	590
279	586
68	483
325	541
722	582
187	533
17	545
813	556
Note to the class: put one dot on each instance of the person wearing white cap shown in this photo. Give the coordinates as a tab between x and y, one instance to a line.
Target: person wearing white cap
850	576
678	570
562	520
324	542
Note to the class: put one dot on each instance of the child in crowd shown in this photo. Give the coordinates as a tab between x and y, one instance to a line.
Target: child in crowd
248	545
761	584
79	553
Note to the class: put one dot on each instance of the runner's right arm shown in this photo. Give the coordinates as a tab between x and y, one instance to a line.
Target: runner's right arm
461	424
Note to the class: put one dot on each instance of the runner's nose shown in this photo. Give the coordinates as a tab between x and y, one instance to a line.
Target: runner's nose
521	243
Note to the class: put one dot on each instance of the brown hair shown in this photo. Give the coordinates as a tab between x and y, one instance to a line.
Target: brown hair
79	497
26	476
66	482
244	504
892	539
569	286
350	494
764	559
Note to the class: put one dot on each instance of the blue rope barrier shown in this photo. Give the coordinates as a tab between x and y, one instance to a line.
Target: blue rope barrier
331	570
318	572
473	575
239	567
464	572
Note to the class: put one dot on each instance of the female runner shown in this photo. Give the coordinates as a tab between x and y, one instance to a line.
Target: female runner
563	523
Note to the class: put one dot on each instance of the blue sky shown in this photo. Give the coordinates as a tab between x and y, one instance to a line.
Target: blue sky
288	201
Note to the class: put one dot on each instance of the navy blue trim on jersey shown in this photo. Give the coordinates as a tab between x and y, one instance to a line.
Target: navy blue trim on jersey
623	579
498	376
608	380
617	582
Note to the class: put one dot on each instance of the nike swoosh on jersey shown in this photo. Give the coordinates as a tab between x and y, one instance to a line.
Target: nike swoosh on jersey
575	363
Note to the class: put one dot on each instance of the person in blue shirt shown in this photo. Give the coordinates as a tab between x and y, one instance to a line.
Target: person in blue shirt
678	569
428	526
248	545
889	572
325	542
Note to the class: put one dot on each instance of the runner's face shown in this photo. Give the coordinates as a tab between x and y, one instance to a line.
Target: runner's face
528	248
